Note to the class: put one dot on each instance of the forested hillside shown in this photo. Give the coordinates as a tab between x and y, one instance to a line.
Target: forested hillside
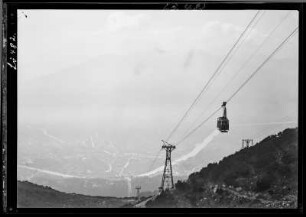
263	175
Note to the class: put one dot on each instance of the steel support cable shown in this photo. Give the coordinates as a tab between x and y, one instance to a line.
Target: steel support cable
264	62
196	128
221	69
252	55
213	75
154	161
269	57
245	82
245	63
229	57
255	52
240	43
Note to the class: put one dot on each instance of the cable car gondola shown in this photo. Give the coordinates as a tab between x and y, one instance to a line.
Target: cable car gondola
222	122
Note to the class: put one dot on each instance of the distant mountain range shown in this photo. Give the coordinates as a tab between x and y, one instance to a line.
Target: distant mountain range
42	152
91	166
262	176
119	187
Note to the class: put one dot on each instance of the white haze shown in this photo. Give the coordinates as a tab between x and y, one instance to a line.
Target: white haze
196	150
128	76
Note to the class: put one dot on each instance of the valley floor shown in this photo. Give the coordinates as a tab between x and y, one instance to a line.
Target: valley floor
34	196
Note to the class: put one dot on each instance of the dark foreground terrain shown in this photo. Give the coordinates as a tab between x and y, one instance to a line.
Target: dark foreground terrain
36	196
262	176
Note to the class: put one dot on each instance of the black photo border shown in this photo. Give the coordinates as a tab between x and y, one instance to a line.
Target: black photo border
9	96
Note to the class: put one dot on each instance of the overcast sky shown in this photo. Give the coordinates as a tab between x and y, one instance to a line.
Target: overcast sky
131	75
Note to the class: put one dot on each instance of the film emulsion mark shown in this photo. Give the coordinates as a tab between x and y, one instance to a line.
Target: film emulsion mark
188	6
10	102
12	54
95	170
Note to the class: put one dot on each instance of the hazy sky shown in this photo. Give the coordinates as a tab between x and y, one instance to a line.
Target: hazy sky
131	75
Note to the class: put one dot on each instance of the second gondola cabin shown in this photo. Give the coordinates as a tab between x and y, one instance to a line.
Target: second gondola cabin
223	122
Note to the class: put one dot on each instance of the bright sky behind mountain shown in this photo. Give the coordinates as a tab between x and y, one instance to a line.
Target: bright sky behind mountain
130	75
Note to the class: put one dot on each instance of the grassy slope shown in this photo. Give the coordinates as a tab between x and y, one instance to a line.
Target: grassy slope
264	175
35	196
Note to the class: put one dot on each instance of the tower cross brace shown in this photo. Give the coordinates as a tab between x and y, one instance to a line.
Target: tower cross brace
167	178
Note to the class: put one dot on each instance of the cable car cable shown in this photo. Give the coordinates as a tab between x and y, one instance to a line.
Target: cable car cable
221	69
196	128
233	78
213	75
245	63
237	48
258	48
244	83
264	62
154	161
253	54
252	75
242	41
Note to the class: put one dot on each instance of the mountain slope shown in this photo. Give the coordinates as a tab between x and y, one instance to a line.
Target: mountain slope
264	175
36	196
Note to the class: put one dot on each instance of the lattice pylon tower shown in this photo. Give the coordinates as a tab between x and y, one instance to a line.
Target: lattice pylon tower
167	178
246	143
138	192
